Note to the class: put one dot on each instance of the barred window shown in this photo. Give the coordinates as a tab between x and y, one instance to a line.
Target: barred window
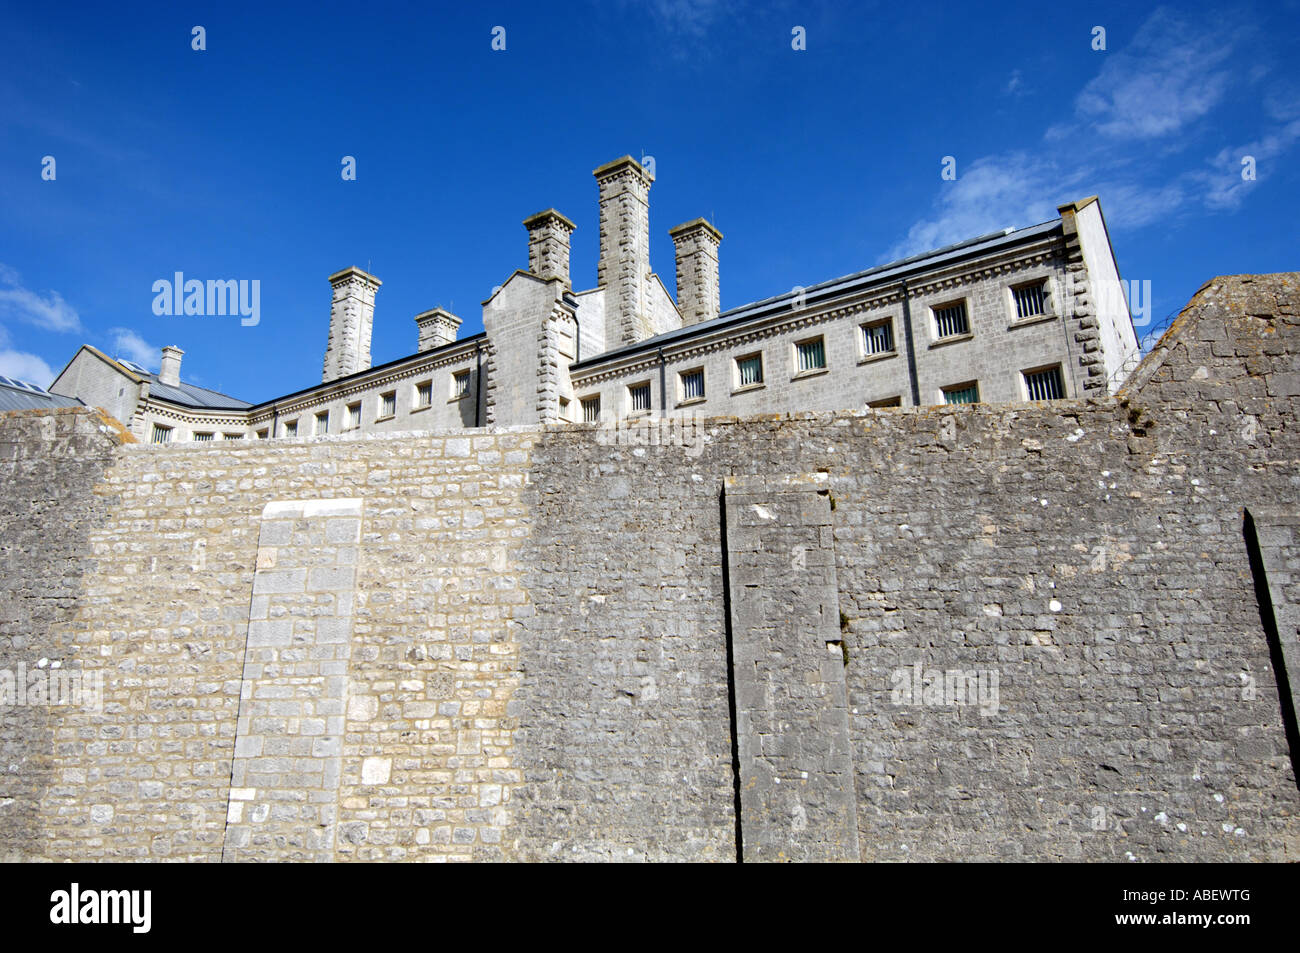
291	428
693	384
877	338
424	394
232	436
460	384
1031	300
1046	384
591	410
162	434
639	397
962	394
951	320
812	354
263	433
354	415
323	422
388	404
201	437
749	370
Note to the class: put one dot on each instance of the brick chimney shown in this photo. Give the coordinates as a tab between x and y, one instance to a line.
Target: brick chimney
352	315
548	245
696	243
624	269
169	370
437	327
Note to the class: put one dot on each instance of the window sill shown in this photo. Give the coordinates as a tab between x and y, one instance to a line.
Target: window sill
952	339
747	388
457	400
813	372
692	402
873	358
634	414
1035	319
416	410
380	420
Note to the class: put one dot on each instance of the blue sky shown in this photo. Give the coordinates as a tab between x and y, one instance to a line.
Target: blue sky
225	163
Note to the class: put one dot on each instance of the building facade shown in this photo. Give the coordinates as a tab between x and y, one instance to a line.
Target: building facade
1035	313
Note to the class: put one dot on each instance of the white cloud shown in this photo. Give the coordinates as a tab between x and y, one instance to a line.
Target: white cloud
24	366
991	194
47	311
1168	77
128	344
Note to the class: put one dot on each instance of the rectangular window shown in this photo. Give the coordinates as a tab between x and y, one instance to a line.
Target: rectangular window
639	398
962	394
1046	384
291	428
424	394
564	408
387	404
460	385
811	355
749	370
323	422
877	338
202	437
232	436
886	402
354	415
951	320
692	384
1031	300
264	433
591	410
162	434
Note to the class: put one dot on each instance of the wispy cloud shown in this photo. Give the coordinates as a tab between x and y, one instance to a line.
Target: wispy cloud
692	17
1155	94
1169	76
128	344
22	365
47	310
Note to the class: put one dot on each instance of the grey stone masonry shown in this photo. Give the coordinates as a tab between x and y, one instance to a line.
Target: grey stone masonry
624	267
696	246
352	315
437	328
548	245
284	786
795	764
1277	533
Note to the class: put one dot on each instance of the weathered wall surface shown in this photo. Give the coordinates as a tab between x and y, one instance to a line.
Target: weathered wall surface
1051	644
50	462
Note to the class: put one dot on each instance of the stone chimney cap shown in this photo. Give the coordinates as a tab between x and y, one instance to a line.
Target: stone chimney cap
436	313
541	218
610	169
696	223
354	270
172	347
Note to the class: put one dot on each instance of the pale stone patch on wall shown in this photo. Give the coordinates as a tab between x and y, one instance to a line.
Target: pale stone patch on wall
289	734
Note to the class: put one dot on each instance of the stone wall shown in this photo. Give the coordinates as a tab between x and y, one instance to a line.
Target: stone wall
1015	631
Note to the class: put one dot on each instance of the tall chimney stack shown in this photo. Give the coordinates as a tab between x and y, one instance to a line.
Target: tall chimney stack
548	245
696	243
624	269
352	316
169	370
437	327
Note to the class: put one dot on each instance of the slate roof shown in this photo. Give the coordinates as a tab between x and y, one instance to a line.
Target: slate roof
20	395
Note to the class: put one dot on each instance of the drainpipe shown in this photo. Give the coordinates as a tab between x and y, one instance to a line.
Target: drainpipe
478	382
911	348
663	388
